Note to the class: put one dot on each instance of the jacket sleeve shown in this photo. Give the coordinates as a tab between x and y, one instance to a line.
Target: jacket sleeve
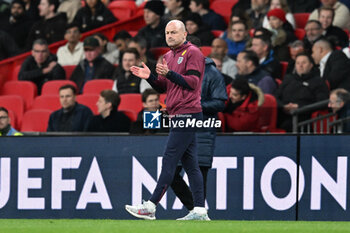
87	116
157	82
339	70
58	73
27	74
50	124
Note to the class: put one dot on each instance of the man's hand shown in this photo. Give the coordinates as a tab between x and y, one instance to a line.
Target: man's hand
288	108
50	67
143	73
162	69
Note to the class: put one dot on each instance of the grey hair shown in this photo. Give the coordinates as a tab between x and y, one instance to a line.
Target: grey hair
40	42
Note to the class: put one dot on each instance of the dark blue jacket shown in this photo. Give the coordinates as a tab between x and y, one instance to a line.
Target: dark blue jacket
80	119
213	97
343	113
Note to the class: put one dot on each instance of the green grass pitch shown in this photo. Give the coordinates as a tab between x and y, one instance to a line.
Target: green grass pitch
165	226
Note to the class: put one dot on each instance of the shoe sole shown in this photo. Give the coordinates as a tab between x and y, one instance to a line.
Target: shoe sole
139	216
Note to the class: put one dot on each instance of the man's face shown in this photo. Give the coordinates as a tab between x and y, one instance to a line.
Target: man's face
102	105
302	65
129	60
4	120
17	10
72	35
152	103
316	53
239	32
91	3
275	22
121	44
325	18
334	103
92	54
40	53
150	17
172	5
328	3
174	35
241	64
67	98
313	31
235	96
141	51
44	8
191	27
259	47
194	7
258	5
219	47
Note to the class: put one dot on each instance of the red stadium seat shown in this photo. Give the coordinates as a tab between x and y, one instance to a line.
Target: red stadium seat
301	19
26	89
50	102
36	120
52	87
69	70
130	102
159	51
12	119
130	114
89	100
268	114
15	73
299	33
133	33
217	33
206	50
95	86
14	103
223	7
122	10
320	126
284	66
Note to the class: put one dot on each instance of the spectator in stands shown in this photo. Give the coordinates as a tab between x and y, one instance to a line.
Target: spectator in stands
219	47
109	118
121	40
177	9
282	33
153	32
72	52
313	32
94	66
261	45
8	46
72	117
5	124
52	25
41	66
339	102
124	80
281	4
248	68
302	6
218	60
70	7
334	33
295	47
32	10
298	89
195	27
109	49
242	109
209	17
240	37
150	102
140	44
334	66
16	23
93	15
341	16
257	12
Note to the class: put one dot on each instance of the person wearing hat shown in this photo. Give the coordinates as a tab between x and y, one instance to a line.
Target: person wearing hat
196	27
282	33
153	32
16	23
94	66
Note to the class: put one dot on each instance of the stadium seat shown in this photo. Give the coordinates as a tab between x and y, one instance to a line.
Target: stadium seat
26	89
12	119
320	126
223	7
268	114
89	100
133	33
36	120
130	102
159	51
14	103
284	66
217	33
221	117
15	73
130	114
69	70
122	10
206	50
50	102
301	19
95	86
52	87
299	33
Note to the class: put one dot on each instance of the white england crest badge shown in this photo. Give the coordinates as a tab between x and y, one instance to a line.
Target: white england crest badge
180	60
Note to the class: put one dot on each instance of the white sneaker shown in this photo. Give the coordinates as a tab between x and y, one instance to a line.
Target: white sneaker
147	210
198	213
